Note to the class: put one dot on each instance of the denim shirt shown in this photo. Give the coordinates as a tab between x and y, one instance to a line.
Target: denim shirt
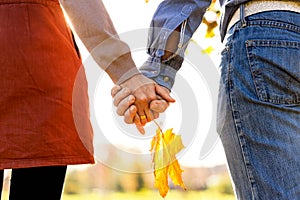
168	16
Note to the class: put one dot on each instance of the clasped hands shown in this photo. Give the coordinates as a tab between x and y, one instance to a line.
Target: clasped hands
140	100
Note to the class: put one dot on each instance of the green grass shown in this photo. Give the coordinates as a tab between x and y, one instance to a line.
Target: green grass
151	195
146	195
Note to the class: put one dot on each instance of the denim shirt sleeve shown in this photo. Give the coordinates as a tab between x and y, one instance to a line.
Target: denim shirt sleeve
169	15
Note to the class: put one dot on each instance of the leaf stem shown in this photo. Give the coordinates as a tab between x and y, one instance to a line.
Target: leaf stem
158	126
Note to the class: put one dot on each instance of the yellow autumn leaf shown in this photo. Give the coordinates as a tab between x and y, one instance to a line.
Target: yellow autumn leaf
173	142
164	147
208	50
175	174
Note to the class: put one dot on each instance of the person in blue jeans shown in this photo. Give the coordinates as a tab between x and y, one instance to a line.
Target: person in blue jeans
258	115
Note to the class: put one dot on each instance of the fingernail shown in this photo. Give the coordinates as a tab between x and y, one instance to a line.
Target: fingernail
142	131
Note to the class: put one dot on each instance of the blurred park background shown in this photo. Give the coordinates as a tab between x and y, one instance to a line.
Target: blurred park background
99	182
206	179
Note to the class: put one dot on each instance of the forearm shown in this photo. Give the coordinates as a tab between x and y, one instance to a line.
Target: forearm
93	25
172	43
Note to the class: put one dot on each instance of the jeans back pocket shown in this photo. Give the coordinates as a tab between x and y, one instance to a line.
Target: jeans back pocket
275	69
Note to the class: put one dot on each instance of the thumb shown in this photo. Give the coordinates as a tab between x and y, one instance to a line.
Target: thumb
159	106
164	93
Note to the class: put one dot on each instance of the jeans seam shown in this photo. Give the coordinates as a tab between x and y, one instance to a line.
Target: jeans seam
238	129
243	145
249	55
274	24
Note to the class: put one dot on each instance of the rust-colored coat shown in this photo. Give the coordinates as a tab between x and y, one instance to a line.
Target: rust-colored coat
44	113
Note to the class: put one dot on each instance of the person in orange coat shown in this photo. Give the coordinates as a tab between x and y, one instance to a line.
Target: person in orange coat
44	120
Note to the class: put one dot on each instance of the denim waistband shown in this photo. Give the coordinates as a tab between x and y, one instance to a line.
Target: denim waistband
276	19
255	6
281	19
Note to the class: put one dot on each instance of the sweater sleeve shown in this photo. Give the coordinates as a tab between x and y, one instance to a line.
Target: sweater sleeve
93	25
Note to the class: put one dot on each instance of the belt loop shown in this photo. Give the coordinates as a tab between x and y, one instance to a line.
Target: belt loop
242	15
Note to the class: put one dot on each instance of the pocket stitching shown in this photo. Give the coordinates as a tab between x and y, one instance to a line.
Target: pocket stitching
257	78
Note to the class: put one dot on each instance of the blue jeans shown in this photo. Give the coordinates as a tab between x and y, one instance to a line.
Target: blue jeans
259	106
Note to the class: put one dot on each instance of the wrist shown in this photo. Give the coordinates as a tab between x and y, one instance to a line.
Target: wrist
122	69
128	75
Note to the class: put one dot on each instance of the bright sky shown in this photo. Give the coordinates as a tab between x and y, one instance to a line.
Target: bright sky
130	17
